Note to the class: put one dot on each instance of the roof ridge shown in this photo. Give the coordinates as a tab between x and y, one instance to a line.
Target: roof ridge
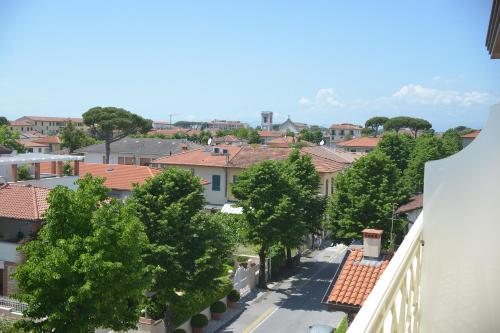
37	214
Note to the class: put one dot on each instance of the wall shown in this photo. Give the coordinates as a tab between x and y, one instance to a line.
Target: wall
68	181
9	228
461	256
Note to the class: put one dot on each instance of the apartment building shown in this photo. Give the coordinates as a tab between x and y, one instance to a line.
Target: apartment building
43	125
226	124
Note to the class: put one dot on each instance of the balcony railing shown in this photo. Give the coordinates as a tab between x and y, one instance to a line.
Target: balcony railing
394	303
13	305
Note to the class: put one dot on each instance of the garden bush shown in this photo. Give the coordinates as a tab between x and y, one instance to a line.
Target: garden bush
195	301
342	328
233	296
199	320
218	307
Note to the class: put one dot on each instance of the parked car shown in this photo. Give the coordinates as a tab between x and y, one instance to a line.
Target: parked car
321	329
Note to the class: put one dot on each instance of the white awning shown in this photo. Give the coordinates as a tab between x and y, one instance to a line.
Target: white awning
228	209
37	158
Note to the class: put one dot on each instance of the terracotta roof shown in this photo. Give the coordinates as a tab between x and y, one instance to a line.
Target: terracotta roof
346	127
249	156
471	135
48	139
338	155
32	144
357	278
363	141
228	138
324	165
201	157
282	142
270	134
416	202
23	202
20	123
61	119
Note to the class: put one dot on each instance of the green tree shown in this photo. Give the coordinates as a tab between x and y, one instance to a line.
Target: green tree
397	147
375	123
74	138
314	136
253	136
414	124
364	198
187	248
262	191
309	205
4	121
427	148
9	139
203	137
23	172
84	269
112	124
452	142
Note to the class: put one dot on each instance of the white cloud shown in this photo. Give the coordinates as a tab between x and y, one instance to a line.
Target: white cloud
417	94
324	97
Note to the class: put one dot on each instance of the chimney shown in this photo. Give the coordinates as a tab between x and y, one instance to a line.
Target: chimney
372	242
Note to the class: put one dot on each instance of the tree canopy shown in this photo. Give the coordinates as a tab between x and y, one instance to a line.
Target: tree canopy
414	124
452	142
4	121
365	197
9	139
263	192
397	147
75	138
314	136
84	269
375	123
187	248
111	124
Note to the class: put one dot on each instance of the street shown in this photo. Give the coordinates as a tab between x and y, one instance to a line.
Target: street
293	304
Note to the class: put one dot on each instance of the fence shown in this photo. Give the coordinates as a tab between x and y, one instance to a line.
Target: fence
14	305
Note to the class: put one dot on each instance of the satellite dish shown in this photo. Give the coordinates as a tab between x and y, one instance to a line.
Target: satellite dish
322	142
209	141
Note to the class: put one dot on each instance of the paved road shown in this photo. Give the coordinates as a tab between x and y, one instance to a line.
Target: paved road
294	304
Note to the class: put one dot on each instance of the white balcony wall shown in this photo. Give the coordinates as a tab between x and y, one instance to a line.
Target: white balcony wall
68	181
461	258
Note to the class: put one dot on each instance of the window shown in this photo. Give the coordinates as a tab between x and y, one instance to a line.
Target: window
341	132
145	161
192	171
352	132
215	183
333	132
332	182
235	178
126	160
326	188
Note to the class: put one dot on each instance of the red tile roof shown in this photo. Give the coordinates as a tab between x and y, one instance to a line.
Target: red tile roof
416	202
357	279
32	144
248	156
282	142
338	155
471	135
364	141
270	134
48	139
20	123
23	202
201	157
346	127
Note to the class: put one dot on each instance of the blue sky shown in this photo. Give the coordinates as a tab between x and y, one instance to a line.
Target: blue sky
320	62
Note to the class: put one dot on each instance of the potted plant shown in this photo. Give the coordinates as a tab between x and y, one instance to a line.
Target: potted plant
180	330
232	298
217	309
199	322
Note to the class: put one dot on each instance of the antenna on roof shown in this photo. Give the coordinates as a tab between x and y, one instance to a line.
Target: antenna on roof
322	142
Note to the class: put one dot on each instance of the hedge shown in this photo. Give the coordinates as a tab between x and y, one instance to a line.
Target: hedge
218	307
342	328
199	320
196	301
233	296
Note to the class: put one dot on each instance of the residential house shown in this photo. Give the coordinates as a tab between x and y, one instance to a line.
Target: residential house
136	151
339	132
230	140
21	215
34	147
53	142
161	125
220	165
412	209
469	137
362	144
43	125
266	136
292	126
225	124
358	272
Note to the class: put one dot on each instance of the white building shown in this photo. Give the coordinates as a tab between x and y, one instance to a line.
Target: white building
292	126
340	132
44	125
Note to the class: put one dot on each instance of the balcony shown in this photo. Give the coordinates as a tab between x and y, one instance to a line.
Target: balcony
445	275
